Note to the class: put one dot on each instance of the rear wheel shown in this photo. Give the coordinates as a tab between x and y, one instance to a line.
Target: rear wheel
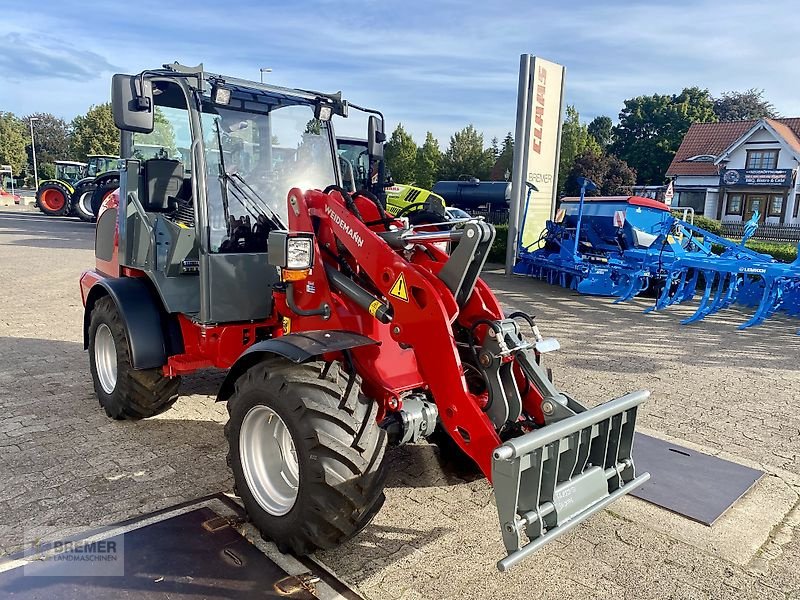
124	392
102	192
82	202
53	199
306	453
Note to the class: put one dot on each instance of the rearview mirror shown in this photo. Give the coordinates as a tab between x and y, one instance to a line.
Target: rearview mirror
375	137
132	103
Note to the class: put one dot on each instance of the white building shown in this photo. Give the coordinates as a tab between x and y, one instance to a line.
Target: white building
728	171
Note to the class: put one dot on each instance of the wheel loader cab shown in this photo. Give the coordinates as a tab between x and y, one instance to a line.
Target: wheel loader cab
206	182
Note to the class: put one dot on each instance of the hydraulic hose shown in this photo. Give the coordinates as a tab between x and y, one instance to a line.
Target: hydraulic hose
324	311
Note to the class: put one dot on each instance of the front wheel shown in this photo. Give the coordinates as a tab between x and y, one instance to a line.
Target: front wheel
306	453
124	392
53	199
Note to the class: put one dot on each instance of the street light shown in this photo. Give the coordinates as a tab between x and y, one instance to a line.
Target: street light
33	150
264	70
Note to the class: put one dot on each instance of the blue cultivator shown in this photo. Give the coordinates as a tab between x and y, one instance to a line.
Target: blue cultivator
623	245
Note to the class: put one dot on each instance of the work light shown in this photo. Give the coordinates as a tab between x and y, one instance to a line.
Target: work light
292	252
220	95
323	112
299	253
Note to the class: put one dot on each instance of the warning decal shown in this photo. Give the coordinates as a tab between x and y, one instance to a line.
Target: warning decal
399	289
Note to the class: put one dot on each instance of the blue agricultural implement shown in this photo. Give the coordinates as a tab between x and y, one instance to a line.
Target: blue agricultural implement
622	246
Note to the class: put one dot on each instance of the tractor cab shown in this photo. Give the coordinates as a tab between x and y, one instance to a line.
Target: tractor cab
69	171
97	164
208	162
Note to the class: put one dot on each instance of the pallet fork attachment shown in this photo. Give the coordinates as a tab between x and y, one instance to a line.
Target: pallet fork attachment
549	480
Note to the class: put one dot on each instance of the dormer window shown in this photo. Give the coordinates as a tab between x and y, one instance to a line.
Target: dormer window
762	159
702	158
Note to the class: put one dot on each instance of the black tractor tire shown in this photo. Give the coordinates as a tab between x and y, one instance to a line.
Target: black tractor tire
105	187
82	201
53	199
136	393
339	450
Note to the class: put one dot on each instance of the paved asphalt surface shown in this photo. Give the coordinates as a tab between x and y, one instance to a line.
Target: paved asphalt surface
64	464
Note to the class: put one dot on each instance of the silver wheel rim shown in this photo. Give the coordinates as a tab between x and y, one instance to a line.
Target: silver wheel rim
85	203
269	460
105	358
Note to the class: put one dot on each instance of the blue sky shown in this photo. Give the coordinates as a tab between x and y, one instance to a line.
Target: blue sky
432	65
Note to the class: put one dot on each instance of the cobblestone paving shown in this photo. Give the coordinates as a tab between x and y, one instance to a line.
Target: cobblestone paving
63	463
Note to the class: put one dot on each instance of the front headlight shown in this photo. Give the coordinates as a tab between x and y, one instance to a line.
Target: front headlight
299	253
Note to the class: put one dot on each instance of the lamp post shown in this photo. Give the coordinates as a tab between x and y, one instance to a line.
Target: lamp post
264	70
33	150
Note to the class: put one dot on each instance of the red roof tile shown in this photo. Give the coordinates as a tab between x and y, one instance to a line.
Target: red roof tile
714	138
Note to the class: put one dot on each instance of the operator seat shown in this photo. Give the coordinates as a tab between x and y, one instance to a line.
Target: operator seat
162	180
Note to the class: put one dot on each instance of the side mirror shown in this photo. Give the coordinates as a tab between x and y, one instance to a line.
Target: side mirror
375	137
132	103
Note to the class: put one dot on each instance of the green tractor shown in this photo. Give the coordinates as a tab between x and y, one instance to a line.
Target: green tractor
101	173
53	195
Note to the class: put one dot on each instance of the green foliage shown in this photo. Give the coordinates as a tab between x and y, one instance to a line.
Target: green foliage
51	135
314	126
466	156
743	106
600	129
497	253
94	133
400	153
783	251
163	135
429	159
12	142
612	175
709	225
46	170
780	251
651	128
575	142
505	161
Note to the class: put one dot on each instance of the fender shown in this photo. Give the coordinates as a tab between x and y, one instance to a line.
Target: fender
137	305
297	347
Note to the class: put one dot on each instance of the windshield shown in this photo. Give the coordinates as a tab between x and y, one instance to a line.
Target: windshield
271	153
355	164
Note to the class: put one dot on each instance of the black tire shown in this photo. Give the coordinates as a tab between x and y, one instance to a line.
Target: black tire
104	188
339	450
82	201
137	394
53	199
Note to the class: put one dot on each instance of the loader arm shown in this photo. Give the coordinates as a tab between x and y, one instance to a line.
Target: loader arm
552	461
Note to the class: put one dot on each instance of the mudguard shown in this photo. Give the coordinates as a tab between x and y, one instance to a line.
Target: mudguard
137	305
297	347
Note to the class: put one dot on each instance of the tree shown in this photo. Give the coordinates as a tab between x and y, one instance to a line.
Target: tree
12	143
575	141
744	106
429	159
651	128
163	135
400	153
94	133
612	175
466	156
505	161
314	126
52	141
600	130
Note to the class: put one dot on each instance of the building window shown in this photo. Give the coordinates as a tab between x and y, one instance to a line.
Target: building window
693	199
734	206
762	159
775	206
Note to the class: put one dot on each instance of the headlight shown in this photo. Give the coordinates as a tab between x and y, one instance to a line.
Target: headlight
299	253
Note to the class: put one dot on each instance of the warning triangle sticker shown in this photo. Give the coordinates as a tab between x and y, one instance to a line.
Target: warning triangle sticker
399	289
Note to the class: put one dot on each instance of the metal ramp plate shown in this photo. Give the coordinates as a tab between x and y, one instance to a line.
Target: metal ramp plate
696	485
190	552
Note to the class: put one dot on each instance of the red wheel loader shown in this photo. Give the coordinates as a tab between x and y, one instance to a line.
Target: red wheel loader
343	329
